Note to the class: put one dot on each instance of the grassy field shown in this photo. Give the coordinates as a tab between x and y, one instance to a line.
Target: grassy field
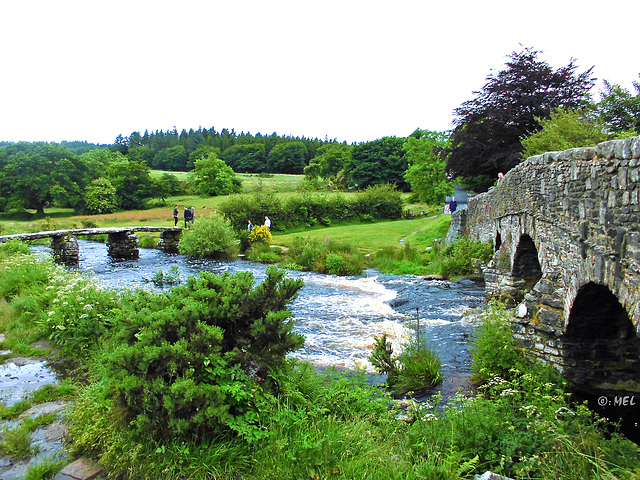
370	237
253	182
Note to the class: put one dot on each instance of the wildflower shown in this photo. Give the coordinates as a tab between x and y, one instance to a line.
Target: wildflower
88	306
84	315
79	298
51	313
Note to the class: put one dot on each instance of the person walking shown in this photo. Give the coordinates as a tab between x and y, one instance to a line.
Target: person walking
267	222
193	215
187	217
249	226
175	216
453	205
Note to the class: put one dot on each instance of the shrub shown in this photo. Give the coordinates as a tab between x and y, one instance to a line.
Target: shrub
196	363
210	236
23	272
148	241
375	203
459	257
81	315
380	202
12	247
261	252
415	369
419	369
260	234
335	264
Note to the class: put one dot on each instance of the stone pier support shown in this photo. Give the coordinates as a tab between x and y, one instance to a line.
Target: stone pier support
123	245
169	241
65	249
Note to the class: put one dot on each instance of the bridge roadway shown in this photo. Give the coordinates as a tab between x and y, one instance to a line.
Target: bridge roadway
122	242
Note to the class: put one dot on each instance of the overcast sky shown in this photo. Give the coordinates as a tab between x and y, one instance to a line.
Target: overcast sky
348	70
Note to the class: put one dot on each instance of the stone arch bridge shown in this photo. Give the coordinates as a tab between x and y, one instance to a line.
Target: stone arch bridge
122	241
565	230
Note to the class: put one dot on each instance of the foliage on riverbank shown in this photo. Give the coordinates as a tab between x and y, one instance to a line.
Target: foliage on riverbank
324	425
310	209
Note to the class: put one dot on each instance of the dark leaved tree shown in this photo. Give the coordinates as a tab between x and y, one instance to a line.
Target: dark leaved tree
488	129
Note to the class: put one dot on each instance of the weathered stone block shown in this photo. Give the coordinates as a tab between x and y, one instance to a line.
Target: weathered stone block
606	149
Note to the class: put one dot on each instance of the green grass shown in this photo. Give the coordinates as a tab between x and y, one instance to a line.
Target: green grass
252	182
44	470
371	236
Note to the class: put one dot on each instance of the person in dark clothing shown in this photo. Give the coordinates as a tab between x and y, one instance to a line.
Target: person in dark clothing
453	205
175	216
187	217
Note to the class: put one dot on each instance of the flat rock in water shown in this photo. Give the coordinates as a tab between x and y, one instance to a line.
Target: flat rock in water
81	469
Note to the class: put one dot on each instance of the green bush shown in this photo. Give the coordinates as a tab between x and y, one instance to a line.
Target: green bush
210	236
81	313
12	247
148	241
23	272
335	264
415	369
307	209
260	234
459	257
326	256
196	363
419	369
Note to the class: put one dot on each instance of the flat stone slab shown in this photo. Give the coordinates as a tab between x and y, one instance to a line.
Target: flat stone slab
85	231
44	408
81	469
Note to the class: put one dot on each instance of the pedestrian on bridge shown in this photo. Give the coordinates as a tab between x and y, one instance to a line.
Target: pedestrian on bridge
175	216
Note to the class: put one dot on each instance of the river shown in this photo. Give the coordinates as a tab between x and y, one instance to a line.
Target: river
338	316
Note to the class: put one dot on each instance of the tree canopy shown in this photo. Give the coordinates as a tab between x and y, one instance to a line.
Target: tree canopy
426	171
565	129
488	128
212	176
619	108
376	163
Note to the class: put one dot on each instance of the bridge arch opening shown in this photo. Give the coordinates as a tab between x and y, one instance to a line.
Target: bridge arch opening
498	242
597	314
526	265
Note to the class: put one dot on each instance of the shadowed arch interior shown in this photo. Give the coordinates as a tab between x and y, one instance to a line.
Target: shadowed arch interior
597	314
525	263
498	242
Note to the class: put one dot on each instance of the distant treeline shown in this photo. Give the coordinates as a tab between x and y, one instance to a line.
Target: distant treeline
243	152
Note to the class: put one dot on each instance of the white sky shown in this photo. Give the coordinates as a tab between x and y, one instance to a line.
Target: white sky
348	69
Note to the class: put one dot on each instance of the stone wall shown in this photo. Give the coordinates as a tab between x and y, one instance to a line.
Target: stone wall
562	221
